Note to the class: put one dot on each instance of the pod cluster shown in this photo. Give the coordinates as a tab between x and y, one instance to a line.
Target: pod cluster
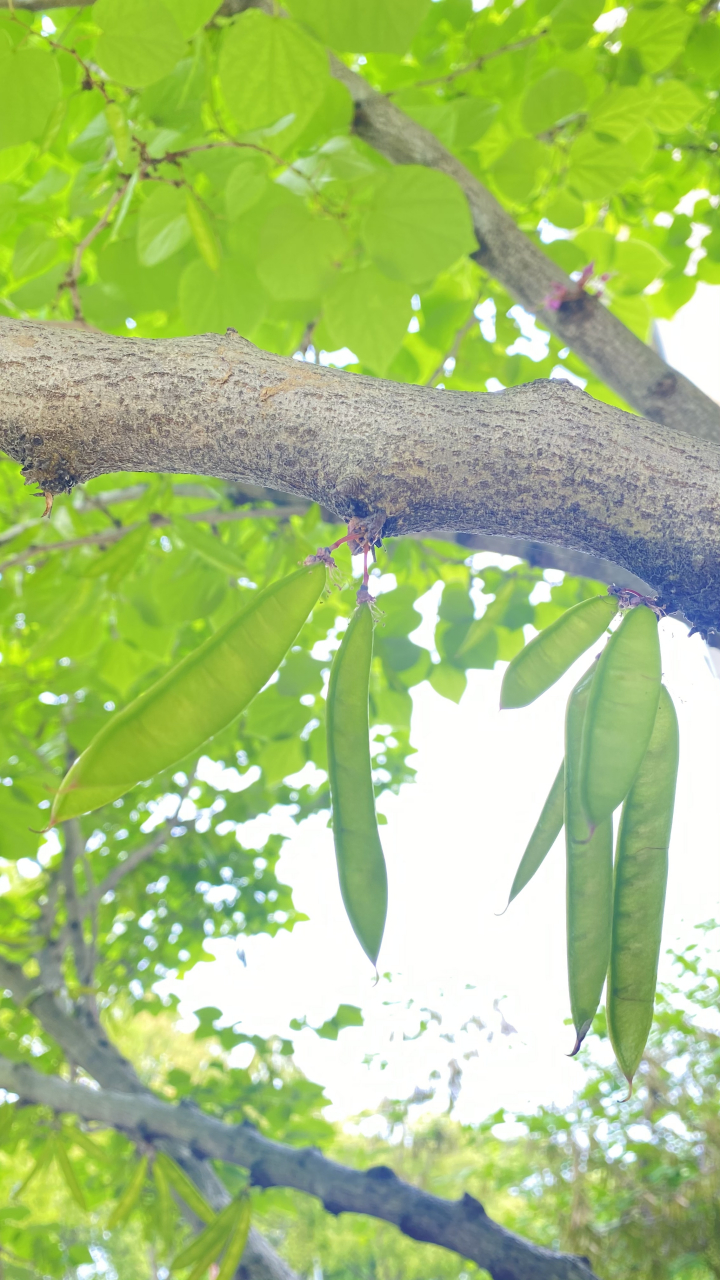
212	686
621	749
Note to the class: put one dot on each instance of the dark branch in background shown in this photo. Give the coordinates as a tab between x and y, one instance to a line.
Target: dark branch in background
86	1045
461	1225
614	354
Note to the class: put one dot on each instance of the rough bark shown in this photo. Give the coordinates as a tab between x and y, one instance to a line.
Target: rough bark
462	1225
619	358
543	461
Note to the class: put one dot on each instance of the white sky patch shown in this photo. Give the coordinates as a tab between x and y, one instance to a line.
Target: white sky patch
611	20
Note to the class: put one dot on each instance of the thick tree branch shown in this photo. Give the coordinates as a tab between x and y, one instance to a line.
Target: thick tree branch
621	360
544	462
462	1225
634	370
86	1045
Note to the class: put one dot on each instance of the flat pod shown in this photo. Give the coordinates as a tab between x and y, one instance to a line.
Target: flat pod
621	713
547	829
193	701
589	877
548	656
360	861
640	878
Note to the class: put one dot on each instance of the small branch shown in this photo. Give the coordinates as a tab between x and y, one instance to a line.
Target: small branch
457	343
476	65
461	1226
71	279
84	958
37	550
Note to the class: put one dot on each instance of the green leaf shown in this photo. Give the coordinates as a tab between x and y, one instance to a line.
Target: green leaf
236	1243
211	302
280	759
297	251
554	97
178	1178
368	313
29	92
572	22
597	169
370	26
192	14
673	105
346	1015
245	186
68	1173
516	171
140	41
34	252
418	223
206	1246
130	1196
163	225
565	210
702	52
657	34
637	265
271	70
617	110
448	681
205	237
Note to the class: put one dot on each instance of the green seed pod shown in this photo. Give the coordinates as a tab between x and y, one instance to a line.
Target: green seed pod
640	879
547	829
546	658
589	877
621	713
360	861
193	701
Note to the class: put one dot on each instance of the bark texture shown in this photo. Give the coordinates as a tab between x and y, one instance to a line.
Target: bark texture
634	370
460	1225
544	462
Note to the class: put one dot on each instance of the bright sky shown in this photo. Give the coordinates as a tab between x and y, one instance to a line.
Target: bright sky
452	845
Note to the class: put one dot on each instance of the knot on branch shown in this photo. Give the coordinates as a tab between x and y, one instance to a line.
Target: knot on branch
471	1208
381	1173
259	1176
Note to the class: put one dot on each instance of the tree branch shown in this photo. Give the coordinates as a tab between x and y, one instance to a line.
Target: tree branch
85	1044
616	355
107	536
620	359
544	461
462	1225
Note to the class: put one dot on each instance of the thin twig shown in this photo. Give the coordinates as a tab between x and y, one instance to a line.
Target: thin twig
74	846
469	66
71	279
452	353
36	551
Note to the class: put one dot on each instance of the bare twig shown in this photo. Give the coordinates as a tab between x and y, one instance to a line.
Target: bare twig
475	65
36	551
457	343
73	275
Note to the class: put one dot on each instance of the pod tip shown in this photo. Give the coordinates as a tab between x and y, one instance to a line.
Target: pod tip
581	1034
